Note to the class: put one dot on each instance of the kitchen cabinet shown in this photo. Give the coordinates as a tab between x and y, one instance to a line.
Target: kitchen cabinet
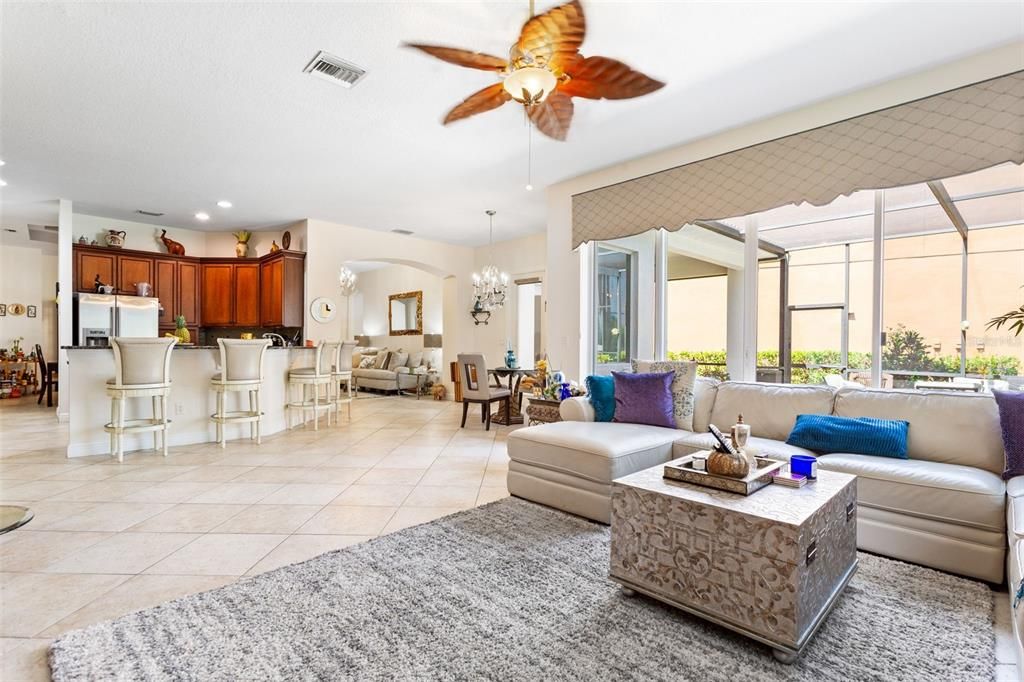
217	300
165	287
89	264
188	303
247	295
132	270
282	289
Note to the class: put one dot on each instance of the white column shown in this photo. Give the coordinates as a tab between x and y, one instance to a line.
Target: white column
750	277
877	265
660	295
734	324
65	300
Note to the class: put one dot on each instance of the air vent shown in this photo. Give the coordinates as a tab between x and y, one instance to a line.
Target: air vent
401	231
152	214
335	70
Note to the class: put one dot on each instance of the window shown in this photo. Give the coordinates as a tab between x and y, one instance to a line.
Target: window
614	308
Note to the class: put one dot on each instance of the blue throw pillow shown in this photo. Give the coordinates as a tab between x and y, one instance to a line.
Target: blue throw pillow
858	435
601	392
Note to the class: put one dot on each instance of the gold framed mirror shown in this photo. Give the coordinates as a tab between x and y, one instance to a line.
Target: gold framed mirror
405	313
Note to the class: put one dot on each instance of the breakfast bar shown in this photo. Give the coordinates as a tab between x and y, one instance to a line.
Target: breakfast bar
191	402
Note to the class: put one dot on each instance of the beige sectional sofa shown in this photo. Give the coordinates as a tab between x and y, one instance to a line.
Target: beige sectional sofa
945	507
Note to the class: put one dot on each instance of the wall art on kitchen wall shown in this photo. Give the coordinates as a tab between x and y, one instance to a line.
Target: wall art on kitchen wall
30	311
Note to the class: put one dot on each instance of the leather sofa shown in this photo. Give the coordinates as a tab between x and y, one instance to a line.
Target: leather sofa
945	507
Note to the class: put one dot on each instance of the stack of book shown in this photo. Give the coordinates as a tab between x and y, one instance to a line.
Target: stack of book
789	479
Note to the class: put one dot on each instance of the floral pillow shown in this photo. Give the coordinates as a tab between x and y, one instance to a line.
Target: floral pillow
682	386
367	361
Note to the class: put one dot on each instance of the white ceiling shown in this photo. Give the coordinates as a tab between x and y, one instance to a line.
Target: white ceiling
170	107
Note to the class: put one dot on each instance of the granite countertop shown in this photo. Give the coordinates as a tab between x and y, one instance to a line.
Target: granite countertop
186	347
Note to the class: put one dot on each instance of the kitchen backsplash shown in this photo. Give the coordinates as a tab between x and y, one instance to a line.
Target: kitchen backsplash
208	335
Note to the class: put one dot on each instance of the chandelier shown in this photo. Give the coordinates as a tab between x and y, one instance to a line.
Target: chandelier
489	285
347	281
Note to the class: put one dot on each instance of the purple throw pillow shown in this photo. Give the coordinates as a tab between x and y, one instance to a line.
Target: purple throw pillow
1011	419
644	398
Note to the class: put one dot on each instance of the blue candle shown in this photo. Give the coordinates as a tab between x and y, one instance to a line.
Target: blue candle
805	465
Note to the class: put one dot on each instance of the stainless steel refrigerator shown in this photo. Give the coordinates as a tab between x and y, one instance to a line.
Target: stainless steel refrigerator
99	317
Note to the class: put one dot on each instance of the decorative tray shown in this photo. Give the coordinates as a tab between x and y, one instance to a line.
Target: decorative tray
682	470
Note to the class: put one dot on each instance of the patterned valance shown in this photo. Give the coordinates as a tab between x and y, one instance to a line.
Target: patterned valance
952	133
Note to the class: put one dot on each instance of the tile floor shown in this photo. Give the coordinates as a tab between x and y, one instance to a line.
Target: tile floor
112	538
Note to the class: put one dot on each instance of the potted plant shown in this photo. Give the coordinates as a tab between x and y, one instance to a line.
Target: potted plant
242	247
16	347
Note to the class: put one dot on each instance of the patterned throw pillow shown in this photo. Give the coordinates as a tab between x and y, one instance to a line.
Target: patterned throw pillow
682	386
825	433
367	362
383	358
643	398
1011	420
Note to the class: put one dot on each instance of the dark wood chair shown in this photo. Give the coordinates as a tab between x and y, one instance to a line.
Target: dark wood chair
47	377
475	388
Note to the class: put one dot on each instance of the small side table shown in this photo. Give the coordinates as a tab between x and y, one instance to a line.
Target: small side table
542	411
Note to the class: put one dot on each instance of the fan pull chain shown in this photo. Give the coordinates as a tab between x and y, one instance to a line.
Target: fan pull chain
529	157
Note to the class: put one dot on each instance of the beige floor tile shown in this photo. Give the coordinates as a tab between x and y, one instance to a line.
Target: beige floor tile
173	492
461	463
237	493
338	520
302	547
269	518
403	460
36	490
137	593
386	476
440	475
247	459
103	491
47	513
218	554
155	474
304	493
359	495
1007	672
212	474
442	496
354	461
414	516
128	553
189	518
34	601
336	475
1006	648
269	474
491	493
26	662
33	472
494	477
29	551
110	516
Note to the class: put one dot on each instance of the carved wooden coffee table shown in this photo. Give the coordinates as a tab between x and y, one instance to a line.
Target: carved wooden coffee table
769	566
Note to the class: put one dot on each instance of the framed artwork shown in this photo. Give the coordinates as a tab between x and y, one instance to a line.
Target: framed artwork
3	309
30	311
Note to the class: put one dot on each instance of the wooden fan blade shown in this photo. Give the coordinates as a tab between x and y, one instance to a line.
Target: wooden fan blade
553	116
604	78
470	60
555	36
491	97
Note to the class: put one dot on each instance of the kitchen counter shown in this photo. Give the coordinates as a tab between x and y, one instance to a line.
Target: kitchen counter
190	404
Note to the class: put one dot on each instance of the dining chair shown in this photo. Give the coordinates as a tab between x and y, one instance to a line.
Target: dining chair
48	377
477	390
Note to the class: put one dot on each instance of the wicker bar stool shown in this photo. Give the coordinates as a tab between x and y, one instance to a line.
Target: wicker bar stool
142	369
241	370
315	377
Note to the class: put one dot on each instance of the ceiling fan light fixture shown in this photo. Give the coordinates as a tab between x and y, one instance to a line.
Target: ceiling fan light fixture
530	84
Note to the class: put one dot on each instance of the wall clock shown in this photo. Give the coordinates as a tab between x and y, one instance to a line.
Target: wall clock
16	309
323	309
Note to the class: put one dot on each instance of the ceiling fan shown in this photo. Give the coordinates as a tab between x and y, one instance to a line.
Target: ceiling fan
544	71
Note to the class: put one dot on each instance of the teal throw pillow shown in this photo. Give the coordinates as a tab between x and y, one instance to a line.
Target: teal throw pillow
601	393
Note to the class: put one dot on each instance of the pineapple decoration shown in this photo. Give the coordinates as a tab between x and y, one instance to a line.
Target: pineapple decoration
180	330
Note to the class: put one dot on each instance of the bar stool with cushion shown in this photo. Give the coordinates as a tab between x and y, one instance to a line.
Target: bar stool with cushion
142	369
341	373
315	377
475	388
241	369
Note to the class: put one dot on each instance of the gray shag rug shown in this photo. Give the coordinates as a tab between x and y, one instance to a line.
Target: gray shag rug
517	591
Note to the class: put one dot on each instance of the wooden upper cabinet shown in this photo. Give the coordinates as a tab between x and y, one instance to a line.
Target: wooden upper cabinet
165	287
132	270
88	264
247	294
271	292
188	292
218	280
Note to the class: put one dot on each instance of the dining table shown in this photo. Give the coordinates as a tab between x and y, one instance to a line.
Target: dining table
512	376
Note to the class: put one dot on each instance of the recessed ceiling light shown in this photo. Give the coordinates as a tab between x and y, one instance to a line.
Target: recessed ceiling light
224	204
2	162
2	183
202	216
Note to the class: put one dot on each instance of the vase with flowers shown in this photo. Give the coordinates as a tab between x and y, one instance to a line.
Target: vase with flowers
242	246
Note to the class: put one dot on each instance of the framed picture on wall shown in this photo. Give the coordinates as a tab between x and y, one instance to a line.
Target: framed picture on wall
30	311
3	309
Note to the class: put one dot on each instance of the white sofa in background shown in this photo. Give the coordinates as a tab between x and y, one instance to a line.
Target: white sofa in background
945	507
400	378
